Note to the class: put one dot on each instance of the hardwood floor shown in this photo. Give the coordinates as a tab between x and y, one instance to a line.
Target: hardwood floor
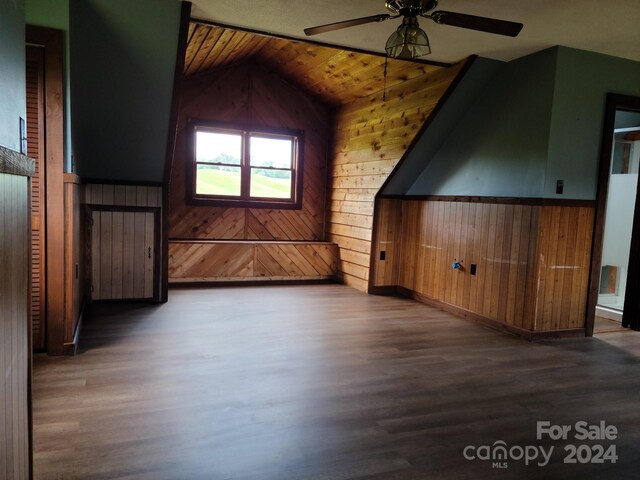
606	325
320	383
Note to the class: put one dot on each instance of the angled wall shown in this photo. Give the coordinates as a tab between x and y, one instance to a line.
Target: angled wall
12	73
538	120
370	136
123	57
499	145
480	72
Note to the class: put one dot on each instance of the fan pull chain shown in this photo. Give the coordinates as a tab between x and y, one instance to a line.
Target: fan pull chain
384	88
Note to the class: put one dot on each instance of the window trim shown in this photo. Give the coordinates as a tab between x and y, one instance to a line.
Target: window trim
297	170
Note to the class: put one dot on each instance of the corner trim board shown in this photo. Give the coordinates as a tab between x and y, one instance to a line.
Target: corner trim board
71	348
178	76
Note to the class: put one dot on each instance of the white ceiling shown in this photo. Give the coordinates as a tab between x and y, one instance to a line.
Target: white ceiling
611	27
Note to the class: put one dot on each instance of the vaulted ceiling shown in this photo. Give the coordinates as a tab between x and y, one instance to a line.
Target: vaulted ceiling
336	76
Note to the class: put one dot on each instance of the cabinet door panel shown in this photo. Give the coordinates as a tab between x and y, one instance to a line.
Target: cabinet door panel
123	254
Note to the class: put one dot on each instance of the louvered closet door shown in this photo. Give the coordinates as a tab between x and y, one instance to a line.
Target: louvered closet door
122	255
35	149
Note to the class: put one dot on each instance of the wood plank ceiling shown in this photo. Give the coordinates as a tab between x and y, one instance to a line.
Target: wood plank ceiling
333	75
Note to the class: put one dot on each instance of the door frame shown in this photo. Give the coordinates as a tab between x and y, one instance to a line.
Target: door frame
614	102
35	54
51	40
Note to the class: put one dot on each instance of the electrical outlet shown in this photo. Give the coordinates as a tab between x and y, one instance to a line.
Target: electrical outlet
559	187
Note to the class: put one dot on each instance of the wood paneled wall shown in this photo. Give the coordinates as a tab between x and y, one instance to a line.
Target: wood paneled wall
248	94
532	260
370	136
14	327
211	261
563	258
123	195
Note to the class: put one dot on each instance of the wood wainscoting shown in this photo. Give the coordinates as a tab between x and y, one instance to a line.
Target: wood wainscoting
15	329
193	261
531	258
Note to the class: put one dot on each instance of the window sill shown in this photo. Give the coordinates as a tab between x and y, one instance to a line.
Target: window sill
231	203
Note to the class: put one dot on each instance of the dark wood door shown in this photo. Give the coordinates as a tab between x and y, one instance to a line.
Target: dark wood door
36	150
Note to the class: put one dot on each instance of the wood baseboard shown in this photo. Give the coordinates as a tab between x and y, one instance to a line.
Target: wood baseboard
551	334
469	315
252	283
490	322
388	291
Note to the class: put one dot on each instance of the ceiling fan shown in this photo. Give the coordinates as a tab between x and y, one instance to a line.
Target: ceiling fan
409	40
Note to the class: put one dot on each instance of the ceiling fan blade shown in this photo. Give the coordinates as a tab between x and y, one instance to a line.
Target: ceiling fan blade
484	24
345	24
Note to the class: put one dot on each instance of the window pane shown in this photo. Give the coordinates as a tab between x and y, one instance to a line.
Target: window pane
218	147
218	180
270	183
271	152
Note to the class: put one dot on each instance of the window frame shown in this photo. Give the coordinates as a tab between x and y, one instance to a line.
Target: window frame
244	200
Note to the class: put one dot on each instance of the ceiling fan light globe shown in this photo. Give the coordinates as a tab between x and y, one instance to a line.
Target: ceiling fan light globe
407	42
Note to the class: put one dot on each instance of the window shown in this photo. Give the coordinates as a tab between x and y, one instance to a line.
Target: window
251	167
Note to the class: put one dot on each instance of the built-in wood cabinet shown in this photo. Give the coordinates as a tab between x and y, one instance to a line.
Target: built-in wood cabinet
123	235
123	254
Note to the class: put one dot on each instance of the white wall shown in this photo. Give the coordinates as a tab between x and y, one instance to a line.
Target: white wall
617	232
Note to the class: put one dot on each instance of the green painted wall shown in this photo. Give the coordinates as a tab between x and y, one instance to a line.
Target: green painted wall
12	72
499	146
539	120
583	80
123	56
475	80
55	14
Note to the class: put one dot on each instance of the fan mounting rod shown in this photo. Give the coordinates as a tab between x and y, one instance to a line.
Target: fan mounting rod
410	8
